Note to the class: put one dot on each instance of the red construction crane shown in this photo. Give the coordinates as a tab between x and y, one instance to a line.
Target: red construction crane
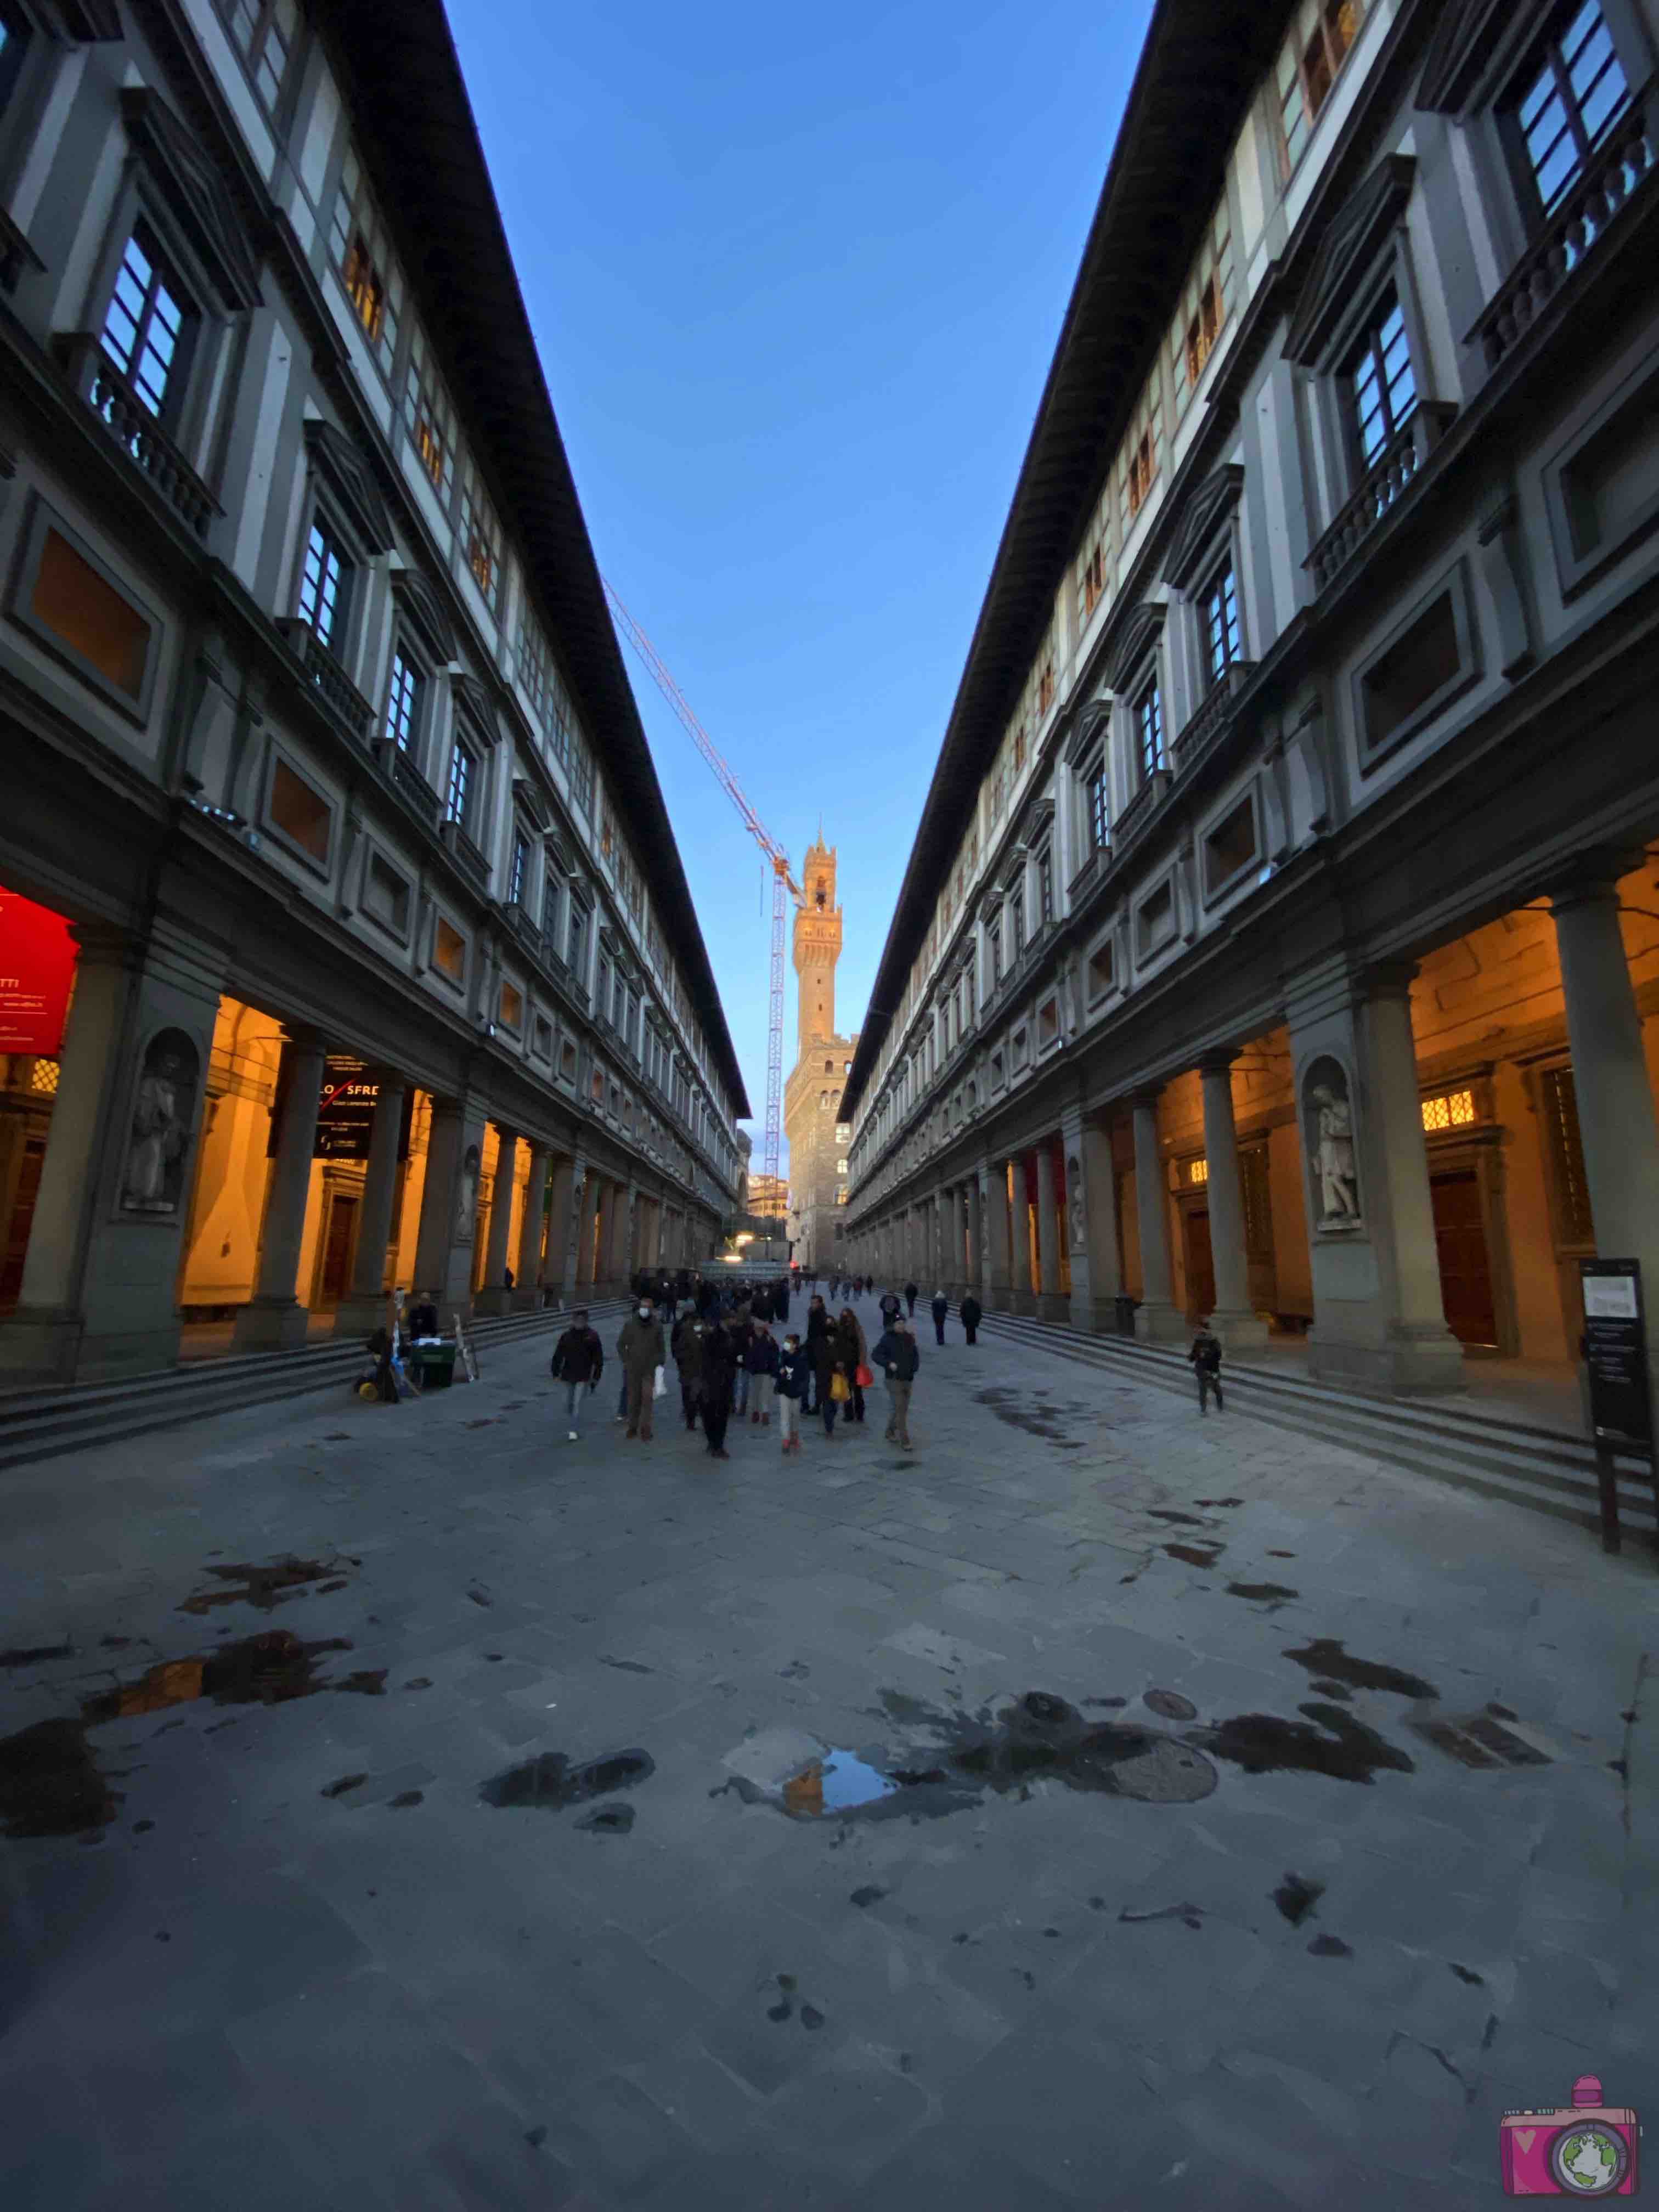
783	881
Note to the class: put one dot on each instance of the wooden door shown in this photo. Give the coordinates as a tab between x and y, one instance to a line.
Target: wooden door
1460	1232
336	1251
1200	1264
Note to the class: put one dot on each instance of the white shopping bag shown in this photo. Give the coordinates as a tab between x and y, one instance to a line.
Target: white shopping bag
660	1388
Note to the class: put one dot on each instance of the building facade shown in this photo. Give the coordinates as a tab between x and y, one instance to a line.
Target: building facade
385	970
818	1135
1281	937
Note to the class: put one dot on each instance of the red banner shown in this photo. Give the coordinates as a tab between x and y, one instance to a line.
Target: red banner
37	968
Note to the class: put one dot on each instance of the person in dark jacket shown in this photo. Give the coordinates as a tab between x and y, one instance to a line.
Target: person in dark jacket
828	1356
941	1309
890	1306
690	1338
578	1363
422	1319
743	1333
1205	1357
855	1354
760	1361
972	1313
720	1367
899	1354
641	1352
818	1325
912	1292
793	1374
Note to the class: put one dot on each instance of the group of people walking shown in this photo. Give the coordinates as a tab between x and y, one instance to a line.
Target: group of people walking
736	1356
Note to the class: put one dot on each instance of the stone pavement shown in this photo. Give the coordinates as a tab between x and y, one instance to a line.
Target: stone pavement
1101	1953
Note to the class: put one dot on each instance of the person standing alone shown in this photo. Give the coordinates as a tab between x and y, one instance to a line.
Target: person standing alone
791	1387
971	1313
1205	1357
719	1368
641	1351
941	1308
899	1354
912	1292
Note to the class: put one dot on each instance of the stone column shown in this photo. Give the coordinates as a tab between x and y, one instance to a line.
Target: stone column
974	1274
449	1207
997	1293
274	1319
1021	1296
527	1267
1091	1224
560	1233
587	1228
1234	1320
494	1296
98	1299
1052	1303
364	1308
1616	1123
1157	1319
958	1196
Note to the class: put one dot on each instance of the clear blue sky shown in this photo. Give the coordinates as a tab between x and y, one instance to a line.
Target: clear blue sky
796	281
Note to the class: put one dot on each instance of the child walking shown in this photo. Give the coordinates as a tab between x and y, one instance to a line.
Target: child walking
1205	1357
791	1387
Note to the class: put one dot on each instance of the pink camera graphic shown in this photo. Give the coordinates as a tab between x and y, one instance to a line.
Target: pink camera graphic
1584	2149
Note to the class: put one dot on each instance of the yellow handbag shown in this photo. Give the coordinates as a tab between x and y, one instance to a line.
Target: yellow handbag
839	1389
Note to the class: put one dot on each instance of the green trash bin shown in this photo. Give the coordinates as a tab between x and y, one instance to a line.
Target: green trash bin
431	1365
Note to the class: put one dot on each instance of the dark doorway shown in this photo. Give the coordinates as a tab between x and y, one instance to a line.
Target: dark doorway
1200	1264
16	1246
336	1251
1460	1231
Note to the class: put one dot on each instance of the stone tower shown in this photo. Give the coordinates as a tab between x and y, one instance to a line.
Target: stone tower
818	945
811	1097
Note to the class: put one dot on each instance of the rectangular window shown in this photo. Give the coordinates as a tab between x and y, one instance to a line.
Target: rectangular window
463	762
303	815
322	583
78	606
148	325
1149	730
1230	848
1382	389
535	667
1308	66
1155	923
449	951
1098	794
578	939
1045	688
1045	887
1413	671
518	874
1016	924
430	418
1220	609
994	938
481	539
1205	305
403	703
362	253
510	1014
1094	579
386	896
1574	1223
263	32
1575	91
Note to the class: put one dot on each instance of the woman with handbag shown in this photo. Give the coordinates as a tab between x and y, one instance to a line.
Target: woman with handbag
829	1375
856	1353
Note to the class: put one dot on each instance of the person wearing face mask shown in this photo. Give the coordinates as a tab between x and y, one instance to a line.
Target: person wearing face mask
690	1336
641	1349
793	1372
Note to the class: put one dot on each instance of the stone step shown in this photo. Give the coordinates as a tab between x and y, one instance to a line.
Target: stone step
45	1423
1515	1462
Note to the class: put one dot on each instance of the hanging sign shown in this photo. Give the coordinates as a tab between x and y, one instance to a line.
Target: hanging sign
37	968
1616	1352
345	1116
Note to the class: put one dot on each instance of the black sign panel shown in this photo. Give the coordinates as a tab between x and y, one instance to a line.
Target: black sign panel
1616	1352
345	1113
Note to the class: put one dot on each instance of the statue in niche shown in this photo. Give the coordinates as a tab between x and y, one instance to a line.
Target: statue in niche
466	1201
1330	1119
153	1179
1079	1215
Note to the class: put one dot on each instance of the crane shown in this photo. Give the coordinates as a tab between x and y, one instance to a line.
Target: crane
783	883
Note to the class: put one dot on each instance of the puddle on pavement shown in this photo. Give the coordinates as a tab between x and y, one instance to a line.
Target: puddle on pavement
1297	1898
1168	1513
1327	1658
34	1655
608	1821
1215	1502
1195	1555
50	1785
1015	1409
1039	1737
269	1586
268	1669
1261	1592
1478	1742
1169	1705
551	1784
1339	1746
